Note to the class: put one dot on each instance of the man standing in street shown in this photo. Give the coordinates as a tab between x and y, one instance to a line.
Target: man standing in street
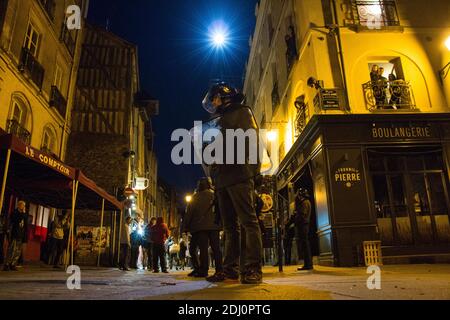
17	236
160	233
234	183
302	221
125	245
200	222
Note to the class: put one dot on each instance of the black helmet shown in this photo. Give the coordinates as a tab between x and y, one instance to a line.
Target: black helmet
303	193
224	91
204	184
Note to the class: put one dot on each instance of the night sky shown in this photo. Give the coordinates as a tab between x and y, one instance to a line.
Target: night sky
177	60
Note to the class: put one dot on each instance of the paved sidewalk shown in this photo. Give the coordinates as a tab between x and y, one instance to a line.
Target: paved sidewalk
398	282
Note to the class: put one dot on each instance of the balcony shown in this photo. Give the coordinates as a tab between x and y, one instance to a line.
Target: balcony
58	101
389	95
373	15
301	120
67	38
29	64
275	96
13	127
49	7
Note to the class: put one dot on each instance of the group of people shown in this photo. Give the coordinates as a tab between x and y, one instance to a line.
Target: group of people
388	92
14	230
160	251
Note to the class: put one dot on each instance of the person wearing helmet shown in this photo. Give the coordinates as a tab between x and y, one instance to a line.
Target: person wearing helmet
200	222
302	221
235	187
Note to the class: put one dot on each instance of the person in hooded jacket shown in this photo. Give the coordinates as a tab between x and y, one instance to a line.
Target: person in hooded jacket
200	220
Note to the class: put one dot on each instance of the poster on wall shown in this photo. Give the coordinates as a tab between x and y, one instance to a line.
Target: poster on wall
89	241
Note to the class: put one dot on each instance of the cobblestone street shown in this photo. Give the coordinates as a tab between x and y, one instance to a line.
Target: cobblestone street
405	282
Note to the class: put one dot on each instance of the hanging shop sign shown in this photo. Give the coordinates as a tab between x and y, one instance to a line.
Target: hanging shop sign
48	161
141	184
327	99
268	202
347	176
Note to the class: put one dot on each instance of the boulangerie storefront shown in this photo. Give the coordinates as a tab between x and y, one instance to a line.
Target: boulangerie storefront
374	177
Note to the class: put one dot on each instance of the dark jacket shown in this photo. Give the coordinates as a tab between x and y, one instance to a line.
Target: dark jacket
303	212
235	117
19	226
159	232
200	214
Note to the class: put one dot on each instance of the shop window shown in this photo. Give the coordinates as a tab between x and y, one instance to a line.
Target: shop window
411	197
382	205
414	163
395	163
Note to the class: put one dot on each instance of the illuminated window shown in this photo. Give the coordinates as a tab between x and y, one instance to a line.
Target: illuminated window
58	82
48	140
375	14
32	39
19	114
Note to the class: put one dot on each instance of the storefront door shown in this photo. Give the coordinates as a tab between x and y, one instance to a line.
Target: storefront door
410	196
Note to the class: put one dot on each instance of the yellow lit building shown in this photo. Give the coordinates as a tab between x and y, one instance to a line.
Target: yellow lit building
39	58
356	100
38	70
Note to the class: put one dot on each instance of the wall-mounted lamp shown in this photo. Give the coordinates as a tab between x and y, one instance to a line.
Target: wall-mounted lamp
314	83
443	73
272	136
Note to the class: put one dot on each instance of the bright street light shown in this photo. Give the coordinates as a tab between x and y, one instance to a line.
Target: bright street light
188	198
219	39
218	35
272	136
447	43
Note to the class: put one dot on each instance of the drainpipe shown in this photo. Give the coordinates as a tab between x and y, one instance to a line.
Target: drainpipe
340	53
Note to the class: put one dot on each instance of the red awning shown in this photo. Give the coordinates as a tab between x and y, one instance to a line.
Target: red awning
44	180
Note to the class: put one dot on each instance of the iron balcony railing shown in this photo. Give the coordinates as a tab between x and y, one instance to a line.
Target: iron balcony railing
301	119
374	14
14	128
68	39
49	7
29	64
58	101
389	95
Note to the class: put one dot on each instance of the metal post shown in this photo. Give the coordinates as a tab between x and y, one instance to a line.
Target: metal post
101	234
114	236
72	223
120	235
280	225
5	178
